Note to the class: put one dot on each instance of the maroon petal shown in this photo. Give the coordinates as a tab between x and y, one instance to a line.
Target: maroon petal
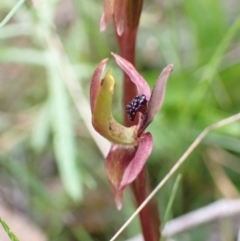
156	99
107	14
116	163
119	12
137	163
136	78
96	82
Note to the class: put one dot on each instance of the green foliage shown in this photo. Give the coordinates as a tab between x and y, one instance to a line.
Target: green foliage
46	147
8	231
11	13
171	200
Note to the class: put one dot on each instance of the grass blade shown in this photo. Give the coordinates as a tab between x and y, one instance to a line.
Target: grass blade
8	231
11	13
64	141
171	199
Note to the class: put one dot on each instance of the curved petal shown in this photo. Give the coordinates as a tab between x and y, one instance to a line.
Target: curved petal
107	14
156	99
116	162
136	78
102	119
137	163
96	83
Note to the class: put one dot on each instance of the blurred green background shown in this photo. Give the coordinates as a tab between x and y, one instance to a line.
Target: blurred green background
51	169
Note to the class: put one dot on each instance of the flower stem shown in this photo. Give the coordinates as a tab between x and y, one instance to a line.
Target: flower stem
149	217
127	42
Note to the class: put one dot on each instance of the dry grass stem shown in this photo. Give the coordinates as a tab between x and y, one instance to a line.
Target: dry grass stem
220	178
214	211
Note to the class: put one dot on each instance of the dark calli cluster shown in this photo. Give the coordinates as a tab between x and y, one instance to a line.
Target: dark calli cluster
138	104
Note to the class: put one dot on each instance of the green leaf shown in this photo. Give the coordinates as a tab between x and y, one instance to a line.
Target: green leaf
42	129
8	231
11	13
64	141
22	55
171	199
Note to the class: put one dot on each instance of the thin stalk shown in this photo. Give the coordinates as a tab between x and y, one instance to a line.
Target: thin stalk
11	13
149	218
127	42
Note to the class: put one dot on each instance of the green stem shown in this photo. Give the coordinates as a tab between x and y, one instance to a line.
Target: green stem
11	13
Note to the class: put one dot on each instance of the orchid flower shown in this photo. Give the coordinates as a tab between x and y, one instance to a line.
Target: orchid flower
131	146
